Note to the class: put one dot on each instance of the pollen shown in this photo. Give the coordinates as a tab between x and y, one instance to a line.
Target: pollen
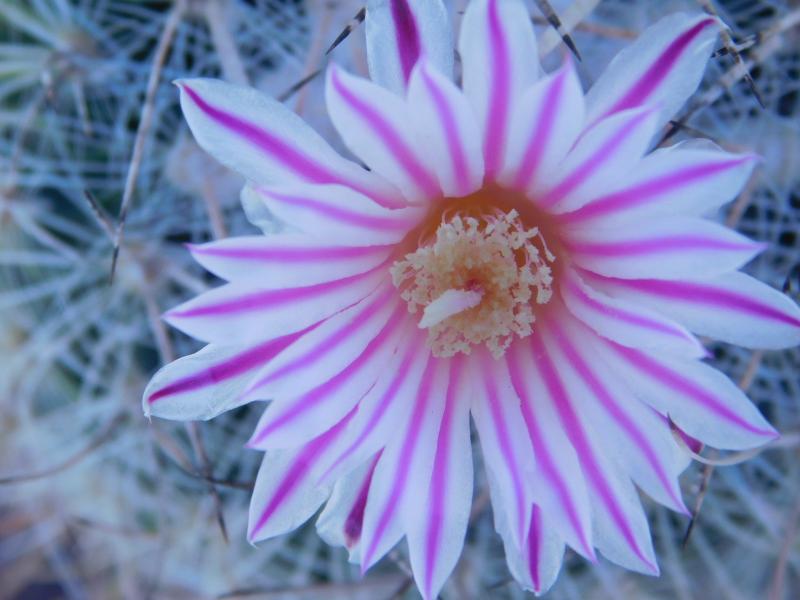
477	281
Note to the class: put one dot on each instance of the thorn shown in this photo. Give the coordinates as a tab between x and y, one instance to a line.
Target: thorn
754	90
730	48
701	494
299	85
102	217
552	18
794	274
745	44
114	259
348	29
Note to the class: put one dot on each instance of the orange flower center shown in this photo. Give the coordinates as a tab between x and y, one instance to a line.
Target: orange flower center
478	277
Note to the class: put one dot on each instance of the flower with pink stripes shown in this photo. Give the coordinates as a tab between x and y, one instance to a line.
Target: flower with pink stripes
516	252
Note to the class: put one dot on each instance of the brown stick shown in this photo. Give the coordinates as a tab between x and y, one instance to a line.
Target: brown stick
164	43
105	435
708	470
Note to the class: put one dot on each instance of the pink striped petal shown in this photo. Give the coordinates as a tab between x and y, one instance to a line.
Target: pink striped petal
388	402
626	322
342	520
287	260
406	462
697	398
671	181
266	142
399	33
622	425
447	130
326	350
662	249
286	493
438	522
289	422
239	313
499	57
621	529
257	212
373	122
537	564
664	66
209	382
335	212
593	165
734	307
547	121
505	444
561	487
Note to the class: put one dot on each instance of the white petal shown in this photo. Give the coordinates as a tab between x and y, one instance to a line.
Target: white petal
734	307
536	566
335	212
624	321
447	131
209	382
505	445
341	521
499	57
241	313
373	122
257	212
399	33
266	142
697	398
292	421
547	121
437	522
621	532
602	154
661	249
406	462
286	260
625	428
680	180
326	349
664	66
286	493
388	402
560	488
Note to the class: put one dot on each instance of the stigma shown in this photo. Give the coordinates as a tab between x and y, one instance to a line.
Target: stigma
477	282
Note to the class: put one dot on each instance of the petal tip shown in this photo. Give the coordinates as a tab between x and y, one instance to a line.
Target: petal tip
172	316
254	443
653	569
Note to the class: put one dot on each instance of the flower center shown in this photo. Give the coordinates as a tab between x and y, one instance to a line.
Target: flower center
477	282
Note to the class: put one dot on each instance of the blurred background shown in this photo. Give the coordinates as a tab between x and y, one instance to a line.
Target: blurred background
97	502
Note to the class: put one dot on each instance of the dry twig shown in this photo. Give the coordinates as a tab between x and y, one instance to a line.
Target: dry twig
708	470
105	435
730	49
162	50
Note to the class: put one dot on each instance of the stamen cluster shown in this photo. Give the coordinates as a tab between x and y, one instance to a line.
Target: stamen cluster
494	255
